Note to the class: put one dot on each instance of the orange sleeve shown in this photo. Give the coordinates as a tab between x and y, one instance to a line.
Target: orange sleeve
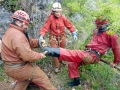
69	25
22	48
34	43
46	27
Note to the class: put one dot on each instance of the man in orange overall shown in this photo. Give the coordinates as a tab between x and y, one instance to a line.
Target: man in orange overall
56	24
18	56
103	39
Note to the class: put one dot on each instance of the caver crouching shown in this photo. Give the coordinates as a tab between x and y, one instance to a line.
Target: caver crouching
18	55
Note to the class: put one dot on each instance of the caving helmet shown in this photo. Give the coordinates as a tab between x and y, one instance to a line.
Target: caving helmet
56	7
22	16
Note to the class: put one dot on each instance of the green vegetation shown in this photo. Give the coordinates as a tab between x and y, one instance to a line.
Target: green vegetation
12	5
98	76
90	9
2	73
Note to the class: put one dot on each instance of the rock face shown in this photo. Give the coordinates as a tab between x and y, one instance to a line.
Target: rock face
37	9
5	19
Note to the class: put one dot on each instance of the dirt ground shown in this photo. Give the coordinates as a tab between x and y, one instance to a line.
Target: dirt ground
60	83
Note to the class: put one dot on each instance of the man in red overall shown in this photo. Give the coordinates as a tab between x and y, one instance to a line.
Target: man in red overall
56	24
102	40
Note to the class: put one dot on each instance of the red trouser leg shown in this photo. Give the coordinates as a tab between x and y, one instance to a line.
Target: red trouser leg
74	57
73	69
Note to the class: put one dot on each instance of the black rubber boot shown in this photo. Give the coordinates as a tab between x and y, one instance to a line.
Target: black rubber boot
54	52
76	82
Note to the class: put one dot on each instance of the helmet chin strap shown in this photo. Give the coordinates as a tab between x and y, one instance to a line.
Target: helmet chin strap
22	24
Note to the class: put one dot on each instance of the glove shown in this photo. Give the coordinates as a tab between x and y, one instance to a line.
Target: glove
40	39
43	54
43	43
74	34
112	65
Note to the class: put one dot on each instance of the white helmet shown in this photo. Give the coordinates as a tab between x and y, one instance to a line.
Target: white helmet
56	7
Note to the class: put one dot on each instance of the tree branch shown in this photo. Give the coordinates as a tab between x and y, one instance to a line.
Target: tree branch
107	62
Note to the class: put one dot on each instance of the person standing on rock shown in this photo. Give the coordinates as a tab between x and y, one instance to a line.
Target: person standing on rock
55	24
18	56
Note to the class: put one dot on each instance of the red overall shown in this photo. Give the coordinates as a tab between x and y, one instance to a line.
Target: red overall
56	27
100	43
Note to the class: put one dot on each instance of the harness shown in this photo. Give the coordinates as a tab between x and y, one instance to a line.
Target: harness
57	39
18	65
14	65
89	58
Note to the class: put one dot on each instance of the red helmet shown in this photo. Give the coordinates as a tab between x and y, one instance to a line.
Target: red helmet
100	22
22	16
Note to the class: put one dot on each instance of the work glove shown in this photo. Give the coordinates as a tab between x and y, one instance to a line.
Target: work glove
43	43
112	65
40	39
74	34
43	54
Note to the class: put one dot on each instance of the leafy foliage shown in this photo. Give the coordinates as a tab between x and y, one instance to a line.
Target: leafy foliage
2	73
12	5
100	76
89	10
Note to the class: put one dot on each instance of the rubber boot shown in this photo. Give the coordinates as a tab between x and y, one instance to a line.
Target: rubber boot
76	82
54	52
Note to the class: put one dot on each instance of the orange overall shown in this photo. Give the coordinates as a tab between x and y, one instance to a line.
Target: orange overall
18	55
56	27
